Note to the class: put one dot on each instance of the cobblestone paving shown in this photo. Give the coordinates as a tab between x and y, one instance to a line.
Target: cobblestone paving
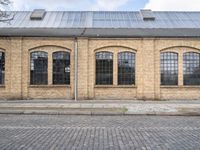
44	132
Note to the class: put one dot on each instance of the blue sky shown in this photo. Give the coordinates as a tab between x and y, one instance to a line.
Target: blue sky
110	5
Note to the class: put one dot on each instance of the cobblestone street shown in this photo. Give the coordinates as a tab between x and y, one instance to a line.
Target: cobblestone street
99	132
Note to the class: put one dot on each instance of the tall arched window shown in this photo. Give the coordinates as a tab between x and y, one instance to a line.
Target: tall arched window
38	68
126	68
169	68
2	67
61	68
191	68
104	68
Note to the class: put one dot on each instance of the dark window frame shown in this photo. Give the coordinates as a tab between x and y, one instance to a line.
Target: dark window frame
39	68
104	68
2	67
169	68
61	73
191	68
126	74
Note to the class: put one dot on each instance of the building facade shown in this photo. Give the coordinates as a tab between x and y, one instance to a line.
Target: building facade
45	66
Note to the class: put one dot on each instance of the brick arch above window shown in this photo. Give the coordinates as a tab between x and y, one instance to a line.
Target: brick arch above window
163	52
53	48
2	50
114	47
179	49
127	51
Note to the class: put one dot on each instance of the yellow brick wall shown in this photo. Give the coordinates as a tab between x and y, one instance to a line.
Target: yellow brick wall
82	68
5	46
115	46
17	77
179	46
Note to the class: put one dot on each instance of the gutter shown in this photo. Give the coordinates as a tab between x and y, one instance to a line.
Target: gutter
102	32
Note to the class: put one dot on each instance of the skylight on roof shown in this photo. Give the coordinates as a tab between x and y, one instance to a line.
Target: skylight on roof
38	14
147	14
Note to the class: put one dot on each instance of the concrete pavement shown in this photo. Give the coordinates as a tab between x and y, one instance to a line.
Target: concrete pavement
100	107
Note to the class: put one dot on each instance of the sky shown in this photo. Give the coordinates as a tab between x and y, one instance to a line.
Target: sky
107	5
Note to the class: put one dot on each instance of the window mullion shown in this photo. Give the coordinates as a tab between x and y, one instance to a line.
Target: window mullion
115	69
180	69
50	69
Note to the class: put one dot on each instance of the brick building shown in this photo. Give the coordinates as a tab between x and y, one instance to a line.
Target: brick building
100	55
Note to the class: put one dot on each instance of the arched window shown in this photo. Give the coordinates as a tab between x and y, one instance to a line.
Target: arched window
191	68
104	68
61	68
2	67
38	68
169	68
126	68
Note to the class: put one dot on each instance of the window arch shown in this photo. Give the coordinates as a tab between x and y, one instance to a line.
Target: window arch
191	68
2	67
104	68
38	68
61	67
169	68
126	68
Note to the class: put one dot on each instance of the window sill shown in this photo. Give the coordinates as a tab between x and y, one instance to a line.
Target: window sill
169	86
2	86
49	86
190	86
115	86
181	86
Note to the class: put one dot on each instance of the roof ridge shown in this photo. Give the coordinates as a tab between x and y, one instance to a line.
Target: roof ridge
108	11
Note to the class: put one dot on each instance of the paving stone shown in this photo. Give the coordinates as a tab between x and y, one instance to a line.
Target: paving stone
60	132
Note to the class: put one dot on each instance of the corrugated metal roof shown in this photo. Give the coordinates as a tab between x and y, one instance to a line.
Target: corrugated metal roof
86	23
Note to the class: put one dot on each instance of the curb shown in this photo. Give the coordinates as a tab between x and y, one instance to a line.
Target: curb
101	109
98	112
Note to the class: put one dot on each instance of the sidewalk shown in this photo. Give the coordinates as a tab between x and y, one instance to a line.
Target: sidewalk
101	107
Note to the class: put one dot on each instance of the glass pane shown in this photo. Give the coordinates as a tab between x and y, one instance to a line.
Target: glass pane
38	68
169	68
126	68
61	68
104	68
2	67
191	68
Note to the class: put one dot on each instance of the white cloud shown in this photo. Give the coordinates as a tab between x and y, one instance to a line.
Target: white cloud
68	4
108	4
49	4
174	5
